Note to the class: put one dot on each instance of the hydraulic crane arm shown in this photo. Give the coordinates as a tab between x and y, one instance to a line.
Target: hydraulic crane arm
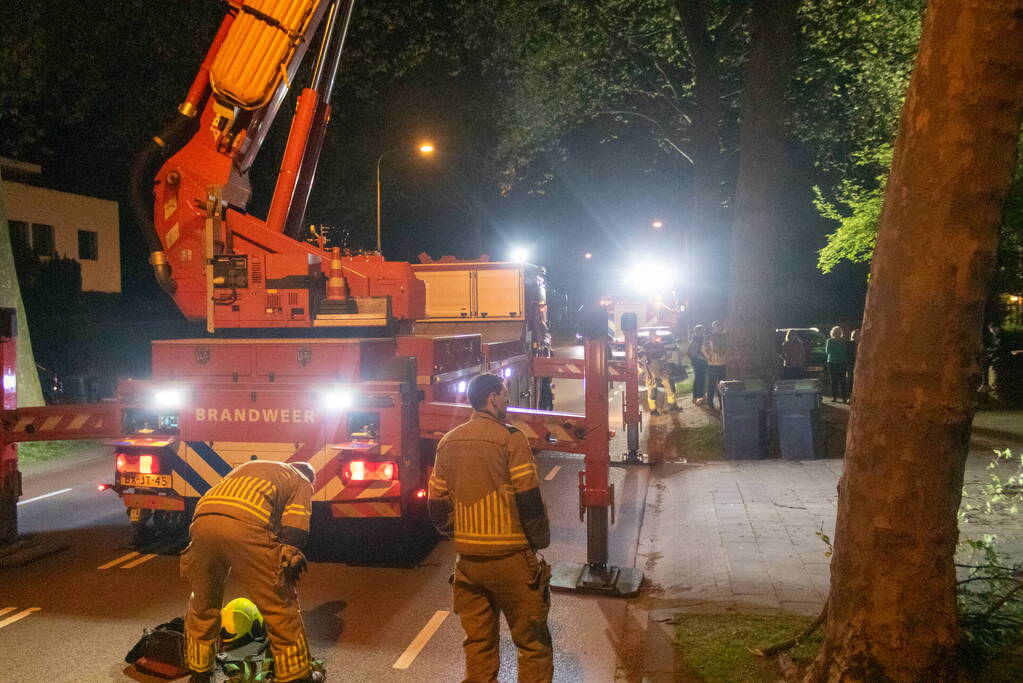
190	184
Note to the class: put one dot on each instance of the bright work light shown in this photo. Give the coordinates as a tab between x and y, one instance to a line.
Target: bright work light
171	397
336	400
520	254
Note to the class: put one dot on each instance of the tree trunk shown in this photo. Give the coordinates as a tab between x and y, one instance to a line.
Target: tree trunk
702	204
892	613
757	235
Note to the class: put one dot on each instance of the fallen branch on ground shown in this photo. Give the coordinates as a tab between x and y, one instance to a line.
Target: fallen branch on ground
776	648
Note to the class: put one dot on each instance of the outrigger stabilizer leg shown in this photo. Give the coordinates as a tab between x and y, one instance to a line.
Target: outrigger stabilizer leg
596	493
631	414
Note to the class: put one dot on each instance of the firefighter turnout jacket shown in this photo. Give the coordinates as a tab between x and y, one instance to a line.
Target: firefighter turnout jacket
249	526
269	494
484	489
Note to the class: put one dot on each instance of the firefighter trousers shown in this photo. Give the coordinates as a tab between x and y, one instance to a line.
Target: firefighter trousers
657	374
517	586
220	545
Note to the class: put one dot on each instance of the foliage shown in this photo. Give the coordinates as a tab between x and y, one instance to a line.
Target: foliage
716	647
857	210
856	234
854	68
990	590
614	64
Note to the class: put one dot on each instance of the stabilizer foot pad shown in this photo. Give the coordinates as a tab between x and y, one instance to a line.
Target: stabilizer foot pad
612	582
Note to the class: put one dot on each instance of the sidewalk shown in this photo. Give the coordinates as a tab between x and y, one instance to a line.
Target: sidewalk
743	535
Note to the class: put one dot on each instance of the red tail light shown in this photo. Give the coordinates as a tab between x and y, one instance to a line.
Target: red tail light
421	493
143	464
365	470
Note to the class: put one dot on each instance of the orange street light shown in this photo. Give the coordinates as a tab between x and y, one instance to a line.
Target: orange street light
425	149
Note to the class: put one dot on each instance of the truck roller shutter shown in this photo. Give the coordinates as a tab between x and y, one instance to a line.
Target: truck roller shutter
250	64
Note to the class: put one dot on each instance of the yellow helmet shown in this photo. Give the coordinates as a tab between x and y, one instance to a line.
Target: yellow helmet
240	622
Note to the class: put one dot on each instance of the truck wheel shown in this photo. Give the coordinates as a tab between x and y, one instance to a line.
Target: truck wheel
140	534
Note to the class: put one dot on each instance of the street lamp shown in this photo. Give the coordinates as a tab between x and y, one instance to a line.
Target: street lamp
424	149
587	255
657	225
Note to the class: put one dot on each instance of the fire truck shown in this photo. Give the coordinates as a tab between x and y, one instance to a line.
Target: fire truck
350	362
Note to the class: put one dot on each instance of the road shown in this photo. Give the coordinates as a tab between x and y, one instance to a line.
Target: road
73	616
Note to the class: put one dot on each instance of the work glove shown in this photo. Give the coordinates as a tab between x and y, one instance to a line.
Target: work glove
293	563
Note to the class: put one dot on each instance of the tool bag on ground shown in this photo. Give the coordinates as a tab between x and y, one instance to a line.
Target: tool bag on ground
161	650
252	663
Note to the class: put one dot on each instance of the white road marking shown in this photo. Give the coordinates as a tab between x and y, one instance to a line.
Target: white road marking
45	495
420	641
553	473
135	563
5	610
122	558
20	615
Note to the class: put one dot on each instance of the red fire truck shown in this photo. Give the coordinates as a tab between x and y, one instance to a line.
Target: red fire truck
350	362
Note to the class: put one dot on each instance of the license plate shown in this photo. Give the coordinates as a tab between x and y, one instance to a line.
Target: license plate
815	368
151	481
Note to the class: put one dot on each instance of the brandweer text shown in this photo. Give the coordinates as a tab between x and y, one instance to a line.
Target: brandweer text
253	415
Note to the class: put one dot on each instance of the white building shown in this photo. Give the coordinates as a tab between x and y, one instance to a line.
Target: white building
53	223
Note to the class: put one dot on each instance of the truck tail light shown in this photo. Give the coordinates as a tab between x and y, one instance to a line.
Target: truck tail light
143	464
365	470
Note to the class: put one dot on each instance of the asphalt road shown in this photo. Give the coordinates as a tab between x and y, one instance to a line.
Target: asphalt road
73	616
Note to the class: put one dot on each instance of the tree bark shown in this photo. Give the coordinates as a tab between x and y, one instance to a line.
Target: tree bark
702	204
892	609
756	237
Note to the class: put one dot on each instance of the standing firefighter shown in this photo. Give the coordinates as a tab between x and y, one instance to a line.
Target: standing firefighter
251	524
485	489
657	373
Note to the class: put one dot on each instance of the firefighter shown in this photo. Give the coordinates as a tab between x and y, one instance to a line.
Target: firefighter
656	372
485	490
251	525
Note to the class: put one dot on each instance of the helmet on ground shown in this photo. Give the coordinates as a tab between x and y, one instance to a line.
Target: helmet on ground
240	622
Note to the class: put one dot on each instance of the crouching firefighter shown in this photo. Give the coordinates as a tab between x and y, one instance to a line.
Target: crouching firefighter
485	490
251	524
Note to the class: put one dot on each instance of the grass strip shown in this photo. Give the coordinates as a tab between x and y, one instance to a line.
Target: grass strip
716	647
39	451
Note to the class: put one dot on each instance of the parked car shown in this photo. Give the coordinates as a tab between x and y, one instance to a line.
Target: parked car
814	341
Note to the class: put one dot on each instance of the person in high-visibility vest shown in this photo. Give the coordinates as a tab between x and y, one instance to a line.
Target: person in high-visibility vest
485	490
252	525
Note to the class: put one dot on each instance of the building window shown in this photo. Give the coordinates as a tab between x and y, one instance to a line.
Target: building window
19	235
42	240
88	246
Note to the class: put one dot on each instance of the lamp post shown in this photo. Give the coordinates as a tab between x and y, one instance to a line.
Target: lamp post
425	149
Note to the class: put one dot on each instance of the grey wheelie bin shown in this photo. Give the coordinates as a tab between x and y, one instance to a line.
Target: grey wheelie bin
798	406
744	416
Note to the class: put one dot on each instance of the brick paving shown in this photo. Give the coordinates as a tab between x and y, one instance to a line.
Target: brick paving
744	535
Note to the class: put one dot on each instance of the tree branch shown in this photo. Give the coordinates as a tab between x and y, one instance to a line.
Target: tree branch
655	123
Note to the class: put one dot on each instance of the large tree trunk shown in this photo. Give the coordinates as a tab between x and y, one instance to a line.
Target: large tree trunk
892	612
702	204
756	237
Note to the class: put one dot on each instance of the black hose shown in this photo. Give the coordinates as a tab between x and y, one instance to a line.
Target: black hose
140	189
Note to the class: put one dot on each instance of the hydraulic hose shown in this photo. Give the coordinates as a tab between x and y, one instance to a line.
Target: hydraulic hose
140	190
